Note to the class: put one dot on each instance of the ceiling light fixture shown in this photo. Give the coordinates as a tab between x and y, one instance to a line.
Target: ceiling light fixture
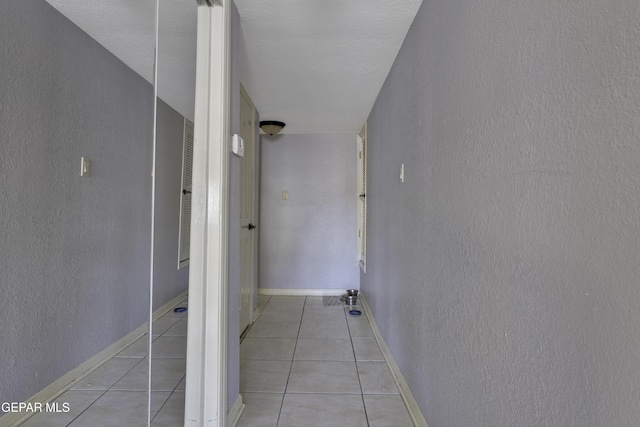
271	127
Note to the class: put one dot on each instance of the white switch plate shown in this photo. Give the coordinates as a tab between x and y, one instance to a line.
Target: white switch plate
285	195
84	166
237	145
402	173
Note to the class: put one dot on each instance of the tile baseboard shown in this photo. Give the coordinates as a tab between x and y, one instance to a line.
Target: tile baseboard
256	314
235	412
301	292
401	382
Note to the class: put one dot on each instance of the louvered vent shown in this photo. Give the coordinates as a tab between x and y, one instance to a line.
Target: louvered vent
185	196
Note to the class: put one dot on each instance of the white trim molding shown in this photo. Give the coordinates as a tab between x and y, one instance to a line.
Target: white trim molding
361	142
301	292
256	313
235	412
401	382
206	384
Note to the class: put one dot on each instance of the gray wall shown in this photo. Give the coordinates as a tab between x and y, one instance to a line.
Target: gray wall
504	272
74	270
310	240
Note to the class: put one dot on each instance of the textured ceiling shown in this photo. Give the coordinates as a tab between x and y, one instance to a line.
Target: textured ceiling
316	65
319	65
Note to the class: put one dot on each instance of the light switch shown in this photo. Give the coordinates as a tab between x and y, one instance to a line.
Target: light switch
402	172
84	167
237	145
285	195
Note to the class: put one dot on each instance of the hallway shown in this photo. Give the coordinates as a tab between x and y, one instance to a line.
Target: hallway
304	362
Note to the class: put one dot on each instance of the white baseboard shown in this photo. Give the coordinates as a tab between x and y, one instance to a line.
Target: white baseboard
255	314
235	412
66	381
401	382
301	292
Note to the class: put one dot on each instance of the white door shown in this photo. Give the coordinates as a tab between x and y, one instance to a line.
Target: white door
247	207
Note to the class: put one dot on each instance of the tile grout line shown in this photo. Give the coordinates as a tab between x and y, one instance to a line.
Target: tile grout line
171	393
85	409
163	404
119	379
364	406
295	347
306	309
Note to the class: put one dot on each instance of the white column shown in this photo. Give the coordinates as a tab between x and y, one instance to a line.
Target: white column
206	384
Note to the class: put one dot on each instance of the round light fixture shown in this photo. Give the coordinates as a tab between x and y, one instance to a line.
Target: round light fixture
271	127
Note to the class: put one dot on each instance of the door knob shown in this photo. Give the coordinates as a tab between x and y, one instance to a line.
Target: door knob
251	226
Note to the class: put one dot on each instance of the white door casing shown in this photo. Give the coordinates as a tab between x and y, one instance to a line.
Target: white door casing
206	379
362	200
247	209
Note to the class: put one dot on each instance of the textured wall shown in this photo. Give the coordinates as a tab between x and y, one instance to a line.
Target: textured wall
308	241
504	272
74	270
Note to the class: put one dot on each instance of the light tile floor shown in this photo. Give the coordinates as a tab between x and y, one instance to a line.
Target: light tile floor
306	364
115	394
303	364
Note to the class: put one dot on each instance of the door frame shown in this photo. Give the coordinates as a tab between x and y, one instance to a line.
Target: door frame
254	207
206	378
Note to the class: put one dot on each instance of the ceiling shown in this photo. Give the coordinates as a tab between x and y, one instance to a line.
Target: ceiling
316	65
